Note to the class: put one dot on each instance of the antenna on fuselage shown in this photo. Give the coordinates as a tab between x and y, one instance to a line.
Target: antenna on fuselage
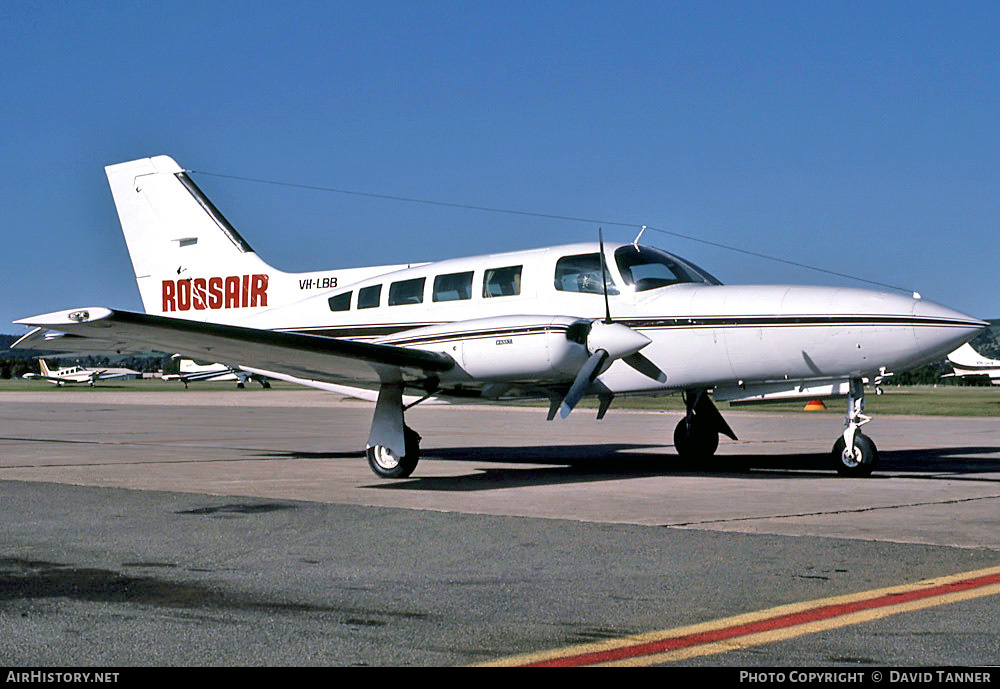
635	242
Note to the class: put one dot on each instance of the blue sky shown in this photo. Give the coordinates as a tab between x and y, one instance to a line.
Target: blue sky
860	137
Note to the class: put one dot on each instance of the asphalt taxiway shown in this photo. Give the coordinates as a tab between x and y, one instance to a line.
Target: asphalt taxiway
243	528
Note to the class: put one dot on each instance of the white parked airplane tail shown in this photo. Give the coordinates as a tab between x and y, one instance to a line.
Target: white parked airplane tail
968	358
44	367
189	261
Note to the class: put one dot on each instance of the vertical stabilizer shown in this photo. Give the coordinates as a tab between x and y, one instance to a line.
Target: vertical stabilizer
189	261
967	357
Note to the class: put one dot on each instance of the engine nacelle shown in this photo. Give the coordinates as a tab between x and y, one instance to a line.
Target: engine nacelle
502	348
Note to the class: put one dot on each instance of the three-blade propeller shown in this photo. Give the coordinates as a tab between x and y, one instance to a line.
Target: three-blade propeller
606	341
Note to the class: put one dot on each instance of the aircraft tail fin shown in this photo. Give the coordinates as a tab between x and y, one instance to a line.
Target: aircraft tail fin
189	261
966	356
44	367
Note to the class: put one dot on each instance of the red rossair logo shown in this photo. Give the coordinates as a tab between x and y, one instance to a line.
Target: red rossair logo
233	292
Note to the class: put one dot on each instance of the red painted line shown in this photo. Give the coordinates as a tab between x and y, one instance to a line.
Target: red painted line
821	613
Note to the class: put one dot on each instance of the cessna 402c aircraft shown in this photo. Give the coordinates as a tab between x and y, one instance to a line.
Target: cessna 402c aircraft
558	323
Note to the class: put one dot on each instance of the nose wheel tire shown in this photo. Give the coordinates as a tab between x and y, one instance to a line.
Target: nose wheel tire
387	464
860	461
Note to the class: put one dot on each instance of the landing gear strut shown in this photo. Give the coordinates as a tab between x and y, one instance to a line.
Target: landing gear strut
854	454
393	448
697	434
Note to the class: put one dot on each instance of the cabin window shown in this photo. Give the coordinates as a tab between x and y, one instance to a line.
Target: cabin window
647	268
582	273
407	292
369	297
340	302
453	287
502	282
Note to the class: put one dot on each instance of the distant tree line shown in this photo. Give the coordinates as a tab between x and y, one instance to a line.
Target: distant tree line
14	363
987	342
15	368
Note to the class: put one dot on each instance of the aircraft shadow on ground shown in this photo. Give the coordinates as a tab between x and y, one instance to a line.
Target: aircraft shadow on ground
605	462
614	461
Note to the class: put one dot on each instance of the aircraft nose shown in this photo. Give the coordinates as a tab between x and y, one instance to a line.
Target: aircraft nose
940	330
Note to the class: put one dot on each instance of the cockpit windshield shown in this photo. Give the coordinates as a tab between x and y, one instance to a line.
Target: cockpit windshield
646	268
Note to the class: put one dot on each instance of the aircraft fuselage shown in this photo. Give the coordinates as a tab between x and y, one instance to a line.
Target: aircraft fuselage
701	334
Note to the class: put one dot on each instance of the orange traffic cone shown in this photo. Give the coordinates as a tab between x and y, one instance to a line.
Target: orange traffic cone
815	405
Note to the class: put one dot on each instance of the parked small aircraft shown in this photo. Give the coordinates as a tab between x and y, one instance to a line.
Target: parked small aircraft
556	322
191	371
72	374
966	362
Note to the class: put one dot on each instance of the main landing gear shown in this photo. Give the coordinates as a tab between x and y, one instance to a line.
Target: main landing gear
388	464
697	434
854	454
242	378
393	448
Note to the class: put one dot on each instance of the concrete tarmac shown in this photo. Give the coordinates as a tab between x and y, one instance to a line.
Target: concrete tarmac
243	528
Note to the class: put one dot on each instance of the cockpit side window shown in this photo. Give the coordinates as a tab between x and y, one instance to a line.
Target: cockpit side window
647	268
582	273
407	292
502	282
452	287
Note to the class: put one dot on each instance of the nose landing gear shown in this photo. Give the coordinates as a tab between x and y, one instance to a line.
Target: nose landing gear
854	454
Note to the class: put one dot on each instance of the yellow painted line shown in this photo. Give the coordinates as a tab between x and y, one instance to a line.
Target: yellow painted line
770	625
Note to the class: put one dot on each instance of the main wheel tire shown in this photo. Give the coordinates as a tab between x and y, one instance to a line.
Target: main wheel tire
859	463
700	443
386	464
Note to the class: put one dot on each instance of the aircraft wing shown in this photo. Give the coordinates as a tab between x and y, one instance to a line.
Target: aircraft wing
202	376
39	376
312	357
104	375
71	345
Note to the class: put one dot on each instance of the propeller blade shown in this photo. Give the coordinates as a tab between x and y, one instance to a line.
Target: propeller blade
646	367
604	277
583	380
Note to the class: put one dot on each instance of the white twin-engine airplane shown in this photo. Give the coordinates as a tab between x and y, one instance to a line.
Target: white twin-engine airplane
71	374
540	323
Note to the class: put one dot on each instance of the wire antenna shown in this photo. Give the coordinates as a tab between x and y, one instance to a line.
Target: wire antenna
550	216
